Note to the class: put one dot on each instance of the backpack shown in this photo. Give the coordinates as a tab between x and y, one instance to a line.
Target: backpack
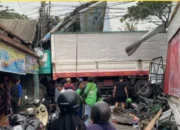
99	96
82	95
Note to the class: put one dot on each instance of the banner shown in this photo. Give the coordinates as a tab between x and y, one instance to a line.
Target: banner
12	60
32	66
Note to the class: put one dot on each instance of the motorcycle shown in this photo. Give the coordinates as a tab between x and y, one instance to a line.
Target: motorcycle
147	107
23	121
39	110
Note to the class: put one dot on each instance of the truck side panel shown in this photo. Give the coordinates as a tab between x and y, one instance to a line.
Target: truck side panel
103	54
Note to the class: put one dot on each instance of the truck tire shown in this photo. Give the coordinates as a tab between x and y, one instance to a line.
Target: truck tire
142	88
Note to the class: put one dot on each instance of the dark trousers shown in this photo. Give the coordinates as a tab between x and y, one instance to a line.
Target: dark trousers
14	105
15	108
80	111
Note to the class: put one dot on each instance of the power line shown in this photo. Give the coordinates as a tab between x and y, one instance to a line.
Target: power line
68	9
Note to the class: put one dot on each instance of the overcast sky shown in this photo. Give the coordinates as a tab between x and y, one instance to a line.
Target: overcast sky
31	9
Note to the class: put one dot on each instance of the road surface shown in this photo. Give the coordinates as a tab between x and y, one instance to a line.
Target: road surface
123	127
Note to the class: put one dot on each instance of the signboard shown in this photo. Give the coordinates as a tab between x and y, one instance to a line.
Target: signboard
12	60
32	66
46	68
172	80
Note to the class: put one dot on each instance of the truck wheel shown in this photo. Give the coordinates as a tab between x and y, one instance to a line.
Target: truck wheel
142	88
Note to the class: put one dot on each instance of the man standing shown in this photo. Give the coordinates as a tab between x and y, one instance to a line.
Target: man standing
80	92
90	93
120	93
69	85
59	88
16	94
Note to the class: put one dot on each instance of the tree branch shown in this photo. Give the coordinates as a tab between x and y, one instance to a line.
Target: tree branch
154	22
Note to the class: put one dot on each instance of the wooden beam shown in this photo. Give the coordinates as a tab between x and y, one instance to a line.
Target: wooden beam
153	121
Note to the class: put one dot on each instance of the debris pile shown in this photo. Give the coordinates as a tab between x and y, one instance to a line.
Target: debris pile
146	114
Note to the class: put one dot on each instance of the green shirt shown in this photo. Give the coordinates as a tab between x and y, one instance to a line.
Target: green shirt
91	92
78	91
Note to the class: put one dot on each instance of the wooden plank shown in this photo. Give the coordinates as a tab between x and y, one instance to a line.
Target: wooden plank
153	121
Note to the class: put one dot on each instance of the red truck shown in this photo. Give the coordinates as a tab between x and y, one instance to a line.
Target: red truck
102	55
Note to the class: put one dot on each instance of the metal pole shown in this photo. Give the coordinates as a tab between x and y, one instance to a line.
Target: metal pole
49	17
36	86
43	19
76	54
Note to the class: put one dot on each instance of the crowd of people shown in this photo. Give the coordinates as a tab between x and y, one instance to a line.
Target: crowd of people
72	103
10	97
85	100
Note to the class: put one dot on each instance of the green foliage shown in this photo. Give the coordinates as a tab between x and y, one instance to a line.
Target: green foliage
10	14
143	11
130	26
54	21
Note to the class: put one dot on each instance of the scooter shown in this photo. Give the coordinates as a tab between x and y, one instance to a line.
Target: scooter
38	109
22	121
146	106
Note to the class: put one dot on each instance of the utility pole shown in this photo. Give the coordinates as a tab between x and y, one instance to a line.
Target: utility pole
43	19
49	16
41	34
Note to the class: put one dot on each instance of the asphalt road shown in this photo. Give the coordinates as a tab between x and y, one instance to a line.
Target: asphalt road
123	127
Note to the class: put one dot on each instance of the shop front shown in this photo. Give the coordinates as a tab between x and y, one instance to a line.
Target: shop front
16	60
14	63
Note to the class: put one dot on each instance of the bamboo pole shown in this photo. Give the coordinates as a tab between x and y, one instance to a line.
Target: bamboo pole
153	121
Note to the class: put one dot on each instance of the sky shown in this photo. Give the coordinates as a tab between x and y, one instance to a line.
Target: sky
116	10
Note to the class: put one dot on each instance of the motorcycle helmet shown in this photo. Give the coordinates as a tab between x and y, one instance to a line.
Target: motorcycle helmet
37	103
68	102
100	112
17	120
128	100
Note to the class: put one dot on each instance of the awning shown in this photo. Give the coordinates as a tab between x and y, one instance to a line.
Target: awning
133	47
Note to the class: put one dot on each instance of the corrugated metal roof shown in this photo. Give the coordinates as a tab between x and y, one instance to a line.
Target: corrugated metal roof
16	44
23	29
68	20
73	14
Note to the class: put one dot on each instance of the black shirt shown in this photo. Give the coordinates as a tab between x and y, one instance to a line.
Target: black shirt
120	89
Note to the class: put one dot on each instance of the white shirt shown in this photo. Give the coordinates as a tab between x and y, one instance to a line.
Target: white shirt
57	92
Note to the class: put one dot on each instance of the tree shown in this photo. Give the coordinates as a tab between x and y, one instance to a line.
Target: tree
53	21
145	10
130	26
7	13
